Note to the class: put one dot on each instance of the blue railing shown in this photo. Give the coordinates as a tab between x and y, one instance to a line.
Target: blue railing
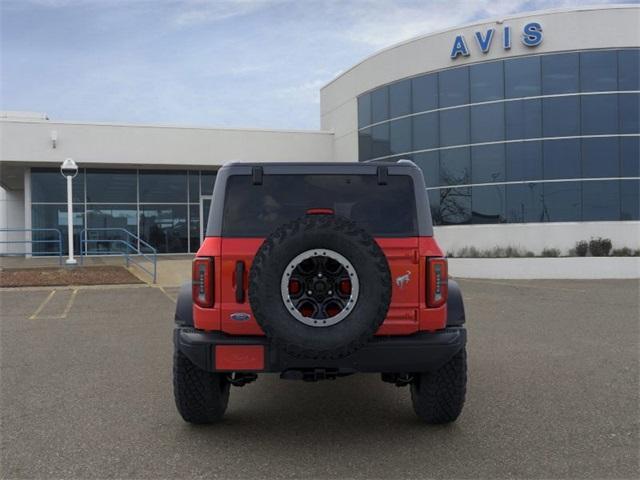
132	248
57	241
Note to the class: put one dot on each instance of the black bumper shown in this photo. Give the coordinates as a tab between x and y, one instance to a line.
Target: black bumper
420	352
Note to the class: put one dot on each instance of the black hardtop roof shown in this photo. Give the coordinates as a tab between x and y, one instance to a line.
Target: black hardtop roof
299	167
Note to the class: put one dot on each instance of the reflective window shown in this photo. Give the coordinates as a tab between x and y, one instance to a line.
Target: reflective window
560	73
164	227
429	163
194	186
562	201
599	71
105	185
48	185
561	116
380	140
524	203
424	92
600	157
629	112
400	135
455	206
629	69
523	161
400	99
364	110
523	119
163	186
207	181
434	205
114	219
454	87
380	105
425	131
601	200
487	122
522	77
455	166
255	212
365	145
55	217
454	127
630	157
629	203
599	114
487	81
194	227
487	164
561	159
488	204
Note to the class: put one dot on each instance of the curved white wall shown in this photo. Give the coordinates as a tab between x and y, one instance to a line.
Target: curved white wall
577	29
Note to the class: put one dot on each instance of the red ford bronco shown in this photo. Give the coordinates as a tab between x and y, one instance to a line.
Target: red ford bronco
316	271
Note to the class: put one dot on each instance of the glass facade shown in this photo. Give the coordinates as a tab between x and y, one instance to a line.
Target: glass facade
162	207
544	138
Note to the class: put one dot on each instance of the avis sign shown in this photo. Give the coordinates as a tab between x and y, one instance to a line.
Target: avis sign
531	37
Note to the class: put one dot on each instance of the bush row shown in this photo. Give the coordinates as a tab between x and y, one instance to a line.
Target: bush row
596	247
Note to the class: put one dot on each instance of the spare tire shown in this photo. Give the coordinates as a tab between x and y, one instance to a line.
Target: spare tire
320	286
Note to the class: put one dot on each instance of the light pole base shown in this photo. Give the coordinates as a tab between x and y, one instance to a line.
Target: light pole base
71	261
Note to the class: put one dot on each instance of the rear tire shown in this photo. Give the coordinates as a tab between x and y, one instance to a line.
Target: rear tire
201	397
438	397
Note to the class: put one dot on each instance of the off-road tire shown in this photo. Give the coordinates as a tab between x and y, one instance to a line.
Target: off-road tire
316	232
438	397
201	397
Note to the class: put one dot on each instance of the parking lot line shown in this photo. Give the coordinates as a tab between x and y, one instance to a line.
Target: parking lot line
161	288
37	314
69	304
42	305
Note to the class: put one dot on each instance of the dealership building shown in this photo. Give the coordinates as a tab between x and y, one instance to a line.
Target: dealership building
526	129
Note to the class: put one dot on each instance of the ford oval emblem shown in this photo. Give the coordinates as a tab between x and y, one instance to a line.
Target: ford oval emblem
240	316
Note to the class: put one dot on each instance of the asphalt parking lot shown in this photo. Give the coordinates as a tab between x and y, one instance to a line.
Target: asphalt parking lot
553	393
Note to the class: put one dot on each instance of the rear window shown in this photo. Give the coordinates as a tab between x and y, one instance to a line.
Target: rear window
256	210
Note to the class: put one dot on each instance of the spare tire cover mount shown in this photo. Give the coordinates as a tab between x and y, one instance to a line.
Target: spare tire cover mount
320	287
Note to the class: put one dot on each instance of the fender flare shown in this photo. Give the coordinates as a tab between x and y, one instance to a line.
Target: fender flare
184	306
455	305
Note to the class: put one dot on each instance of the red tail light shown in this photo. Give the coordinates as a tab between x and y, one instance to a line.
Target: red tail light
202	281
437	283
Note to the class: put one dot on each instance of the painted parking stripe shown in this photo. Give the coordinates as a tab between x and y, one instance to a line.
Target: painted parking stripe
38	313
42	305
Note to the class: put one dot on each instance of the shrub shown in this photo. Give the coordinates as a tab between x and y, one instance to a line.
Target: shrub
581	248
550	252
600	247
625	252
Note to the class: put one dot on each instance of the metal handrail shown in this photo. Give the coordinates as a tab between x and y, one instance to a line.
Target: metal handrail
151	257
31	241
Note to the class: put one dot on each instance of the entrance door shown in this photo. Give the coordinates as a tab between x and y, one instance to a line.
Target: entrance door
205	206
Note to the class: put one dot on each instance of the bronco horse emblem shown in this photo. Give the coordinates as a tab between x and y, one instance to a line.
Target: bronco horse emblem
402	280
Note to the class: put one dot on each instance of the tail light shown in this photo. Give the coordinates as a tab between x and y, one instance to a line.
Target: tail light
202	281
437	283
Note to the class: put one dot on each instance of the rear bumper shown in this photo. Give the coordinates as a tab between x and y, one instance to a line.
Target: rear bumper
420	352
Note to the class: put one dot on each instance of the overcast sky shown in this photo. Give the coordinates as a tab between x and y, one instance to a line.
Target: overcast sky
229	63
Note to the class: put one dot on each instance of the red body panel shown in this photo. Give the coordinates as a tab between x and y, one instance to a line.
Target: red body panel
408	312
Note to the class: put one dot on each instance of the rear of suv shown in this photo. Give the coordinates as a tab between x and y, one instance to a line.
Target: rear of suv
317	271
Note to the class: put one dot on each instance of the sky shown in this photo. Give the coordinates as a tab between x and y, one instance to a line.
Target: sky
220	63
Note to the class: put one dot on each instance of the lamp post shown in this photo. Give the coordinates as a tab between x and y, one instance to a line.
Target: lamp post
69	170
